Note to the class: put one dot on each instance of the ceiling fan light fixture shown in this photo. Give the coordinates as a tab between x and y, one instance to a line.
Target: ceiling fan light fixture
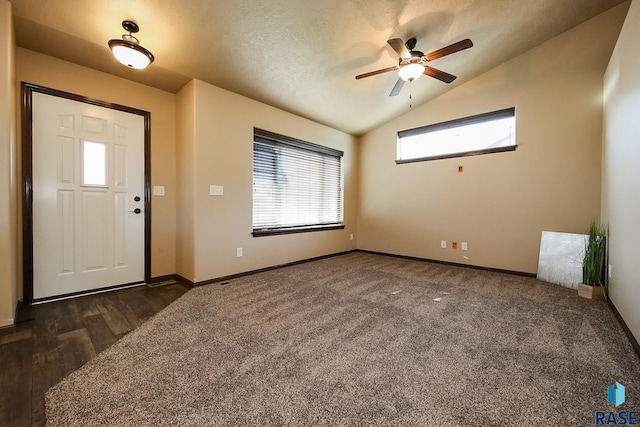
128	50
411	72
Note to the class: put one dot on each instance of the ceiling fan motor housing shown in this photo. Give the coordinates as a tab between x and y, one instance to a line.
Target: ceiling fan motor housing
417	57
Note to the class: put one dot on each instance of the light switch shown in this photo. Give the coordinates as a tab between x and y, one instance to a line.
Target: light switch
158	190
216	190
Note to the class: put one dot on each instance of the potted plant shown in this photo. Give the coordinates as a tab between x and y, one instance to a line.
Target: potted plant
592	285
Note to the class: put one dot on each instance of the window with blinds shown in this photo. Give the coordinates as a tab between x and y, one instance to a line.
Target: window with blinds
297	185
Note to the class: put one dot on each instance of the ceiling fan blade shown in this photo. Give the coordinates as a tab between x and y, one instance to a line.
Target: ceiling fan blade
373	73
448	50
400	48
440	75
397	87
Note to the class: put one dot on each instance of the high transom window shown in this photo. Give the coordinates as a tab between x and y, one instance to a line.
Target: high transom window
297	185
482	134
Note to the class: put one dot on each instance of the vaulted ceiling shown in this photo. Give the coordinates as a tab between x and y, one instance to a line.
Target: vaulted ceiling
299	56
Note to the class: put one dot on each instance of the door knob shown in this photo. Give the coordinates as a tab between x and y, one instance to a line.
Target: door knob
136	211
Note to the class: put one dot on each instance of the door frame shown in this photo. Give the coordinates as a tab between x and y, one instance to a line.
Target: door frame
27	90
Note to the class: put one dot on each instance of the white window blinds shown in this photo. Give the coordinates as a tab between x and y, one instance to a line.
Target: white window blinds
297	186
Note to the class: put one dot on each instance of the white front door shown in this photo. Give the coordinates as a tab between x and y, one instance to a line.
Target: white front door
88	196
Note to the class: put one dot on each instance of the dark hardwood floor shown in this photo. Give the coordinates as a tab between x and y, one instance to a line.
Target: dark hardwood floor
61	337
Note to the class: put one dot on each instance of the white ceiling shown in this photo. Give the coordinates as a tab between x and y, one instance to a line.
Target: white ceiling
300	56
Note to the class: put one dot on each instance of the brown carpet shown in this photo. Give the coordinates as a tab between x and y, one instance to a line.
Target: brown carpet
360	339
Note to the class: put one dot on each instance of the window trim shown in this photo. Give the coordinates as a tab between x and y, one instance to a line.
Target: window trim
296	229
478	118
297	143
283	140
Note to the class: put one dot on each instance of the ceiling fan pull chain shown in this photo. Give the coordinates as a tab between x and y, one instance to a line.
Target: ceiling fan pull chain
410	92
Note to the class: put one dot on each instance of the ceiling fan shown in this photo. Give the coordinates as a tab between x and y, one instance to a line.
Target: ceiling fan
412	63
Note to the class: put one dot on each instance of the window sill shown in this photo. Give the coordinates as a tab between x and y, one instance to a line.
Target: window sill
463	154
293	230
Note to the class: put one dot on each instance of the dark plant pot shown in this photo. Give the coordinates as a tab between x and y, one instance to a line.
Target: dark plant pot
591	292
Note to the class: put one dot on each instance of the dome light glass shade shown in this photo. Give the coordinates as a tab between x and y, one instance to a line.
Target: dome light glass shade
411	72
131	55
128	50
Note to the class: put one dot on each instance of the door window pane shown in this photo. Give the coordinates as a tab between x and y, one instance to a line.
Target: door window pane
94	163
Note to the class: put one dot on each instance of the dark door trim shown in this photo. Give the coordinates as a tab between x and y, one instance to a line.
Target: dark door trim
27	90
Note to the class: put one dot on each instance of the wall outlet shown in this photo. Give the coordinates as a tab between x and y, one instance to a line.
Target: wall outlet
463	246
609	271
454	245
238	252
443	244
216	190
351	236
158	190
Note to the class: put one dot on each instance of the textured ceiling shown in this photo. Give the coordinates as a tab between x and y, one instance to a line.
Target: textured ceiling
300	56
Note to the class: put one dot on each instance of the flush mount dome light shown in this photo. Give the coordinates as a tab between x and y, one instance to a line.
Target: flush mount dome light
411	72
128	50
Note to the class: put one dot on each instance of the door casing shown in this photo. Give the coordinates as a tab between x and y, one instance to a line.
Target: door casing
27	90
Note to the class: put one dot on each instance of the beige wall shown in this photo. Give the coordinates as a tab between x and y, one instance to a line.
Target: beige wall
620	176
8	174
185	157
46	71
222	154
502	202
